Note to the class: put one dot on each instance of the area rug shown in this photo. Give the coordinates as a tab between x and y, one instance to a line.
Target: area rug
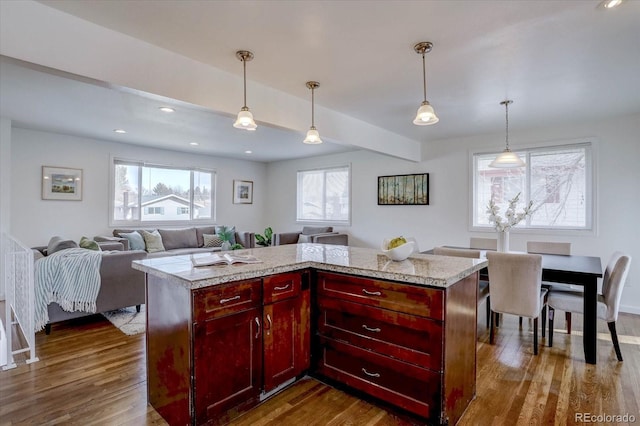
128	320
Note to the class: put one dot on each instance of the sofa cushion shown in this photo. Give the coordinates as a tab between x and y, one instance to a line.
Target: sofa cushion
58	243
178	238
212	240
201	230
230	229
136	242
310	230
153	241
88	244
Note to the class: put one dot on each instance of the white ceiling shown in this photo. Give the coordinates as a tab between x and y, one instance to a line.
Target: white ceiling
560	61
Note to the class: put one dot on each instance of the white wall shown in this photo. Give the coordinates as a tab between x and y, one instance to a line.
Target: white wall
5	189
34	221
446	219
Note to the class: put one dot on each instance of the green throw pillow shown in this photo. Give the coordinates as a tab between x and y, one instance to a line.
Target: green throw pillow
153	241
88	244
136	242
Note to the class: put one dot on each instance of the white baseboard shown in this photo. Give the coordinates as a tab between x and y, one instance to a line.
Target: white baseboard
630	309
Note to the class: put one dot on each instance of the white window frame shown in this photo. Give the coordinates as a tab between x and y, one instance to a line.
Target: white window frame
325	221
590	228
149	223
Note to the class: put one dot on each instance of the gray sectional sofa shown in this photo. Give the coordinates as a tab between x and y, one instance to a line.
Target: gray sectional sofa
181	241
120	285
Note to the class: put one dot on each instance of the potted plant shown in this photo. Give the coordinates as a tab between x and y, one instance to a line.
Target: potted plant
225	235
265	240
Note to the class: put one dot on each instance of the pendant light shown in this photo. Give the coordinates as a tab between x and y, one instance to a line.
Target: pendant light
245	118
507	159
313	137
426	115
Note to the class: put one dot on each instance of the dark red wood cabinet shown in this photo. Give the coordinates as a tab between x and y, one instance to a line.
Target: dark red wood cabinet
411	346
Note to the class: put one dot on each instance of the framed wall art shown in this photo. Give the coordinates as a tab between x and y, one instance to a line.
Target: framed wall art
61	183
403	190
242	192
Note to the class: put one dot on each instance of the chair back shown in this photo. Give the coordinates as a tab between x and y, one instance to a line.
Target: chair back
516	280
484	243
613	282
446	251
546	247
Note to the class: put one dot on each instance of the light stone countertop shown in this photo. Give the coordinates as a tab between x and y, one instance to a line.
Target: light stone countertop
420	269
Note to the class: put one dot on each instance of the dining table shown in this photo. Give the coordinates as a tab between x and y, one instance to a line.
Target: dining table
578	270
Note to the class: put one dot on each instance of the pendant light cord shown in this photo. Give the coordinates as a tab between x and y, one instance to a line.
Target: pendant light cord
506	109
312	108
244	67
424	78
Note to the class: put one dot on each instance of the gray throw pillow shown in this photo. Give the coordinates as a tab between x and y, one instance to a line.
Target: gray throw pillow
58	243
304	238
212	240
136	242
232	231
310	230
153	241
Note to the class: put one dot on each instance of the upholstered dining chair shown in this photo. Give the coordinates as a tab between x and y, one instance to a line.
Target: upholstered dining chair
564	249
516	289
483	243
483	285
608	302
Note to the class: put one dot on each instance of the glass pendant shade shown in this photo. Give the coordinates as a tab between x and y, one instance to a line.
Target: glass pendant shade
245	120
313	137
506	160
426	115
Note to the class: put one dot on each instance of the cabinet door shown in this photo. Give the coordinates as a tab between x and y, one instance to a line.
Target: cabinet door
281	358
227	364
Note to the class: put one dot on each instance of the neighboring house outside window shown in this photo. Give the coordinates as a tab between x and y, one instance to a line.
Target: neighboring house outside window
161	194
558	179
324	195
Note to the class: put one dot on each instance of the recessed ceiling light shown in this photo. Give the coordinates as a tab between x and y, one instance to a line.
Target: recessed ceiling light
166	109
610	4
248	152
194	143
119	130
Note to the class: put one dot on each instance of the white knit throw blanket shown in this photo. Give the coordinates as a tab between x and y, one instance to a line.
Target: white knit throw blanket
69	277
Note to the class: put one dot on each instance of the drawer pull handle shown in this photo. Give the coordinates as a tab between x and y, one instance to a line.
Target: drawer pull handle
258	324
223	301
371	293
375	330
364	370
281	288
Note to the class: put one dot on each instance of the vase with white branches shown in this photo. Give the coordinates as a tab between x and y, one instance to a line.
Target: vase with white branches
511	218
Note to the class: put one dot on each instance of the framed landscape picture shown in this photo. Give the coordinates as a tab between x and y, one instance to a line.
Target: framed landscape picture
61	183
242	192
404	190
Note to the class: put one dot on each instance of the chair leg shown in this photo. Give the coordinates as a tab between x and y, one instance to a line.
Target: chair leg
520	321
488	303
535	336
614	338
492	326
567	317
551	314
138	308
47	328
544	319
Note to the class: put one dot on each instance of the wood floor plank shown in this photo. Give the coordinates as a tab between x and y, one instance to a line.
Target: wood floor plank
90	373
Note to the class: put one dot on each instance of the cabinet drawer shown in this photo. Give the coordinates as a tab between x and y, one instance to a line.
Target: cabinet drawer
412	388
220	300
281	287
410	338
416	300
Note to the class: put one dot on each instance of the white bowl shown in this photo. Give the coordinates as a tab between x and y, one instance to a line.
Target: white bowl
398	253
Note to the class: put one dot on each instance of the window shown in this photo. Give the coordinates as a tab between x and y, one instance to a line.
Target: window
324	195
156	193
559	181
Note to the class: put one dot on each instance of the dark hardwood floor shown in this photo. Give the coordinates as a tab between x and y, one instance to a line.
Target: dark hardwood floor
90	373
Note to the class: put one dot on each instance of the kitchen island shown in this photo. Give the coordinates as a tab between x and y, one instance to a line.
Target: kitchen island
222	338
